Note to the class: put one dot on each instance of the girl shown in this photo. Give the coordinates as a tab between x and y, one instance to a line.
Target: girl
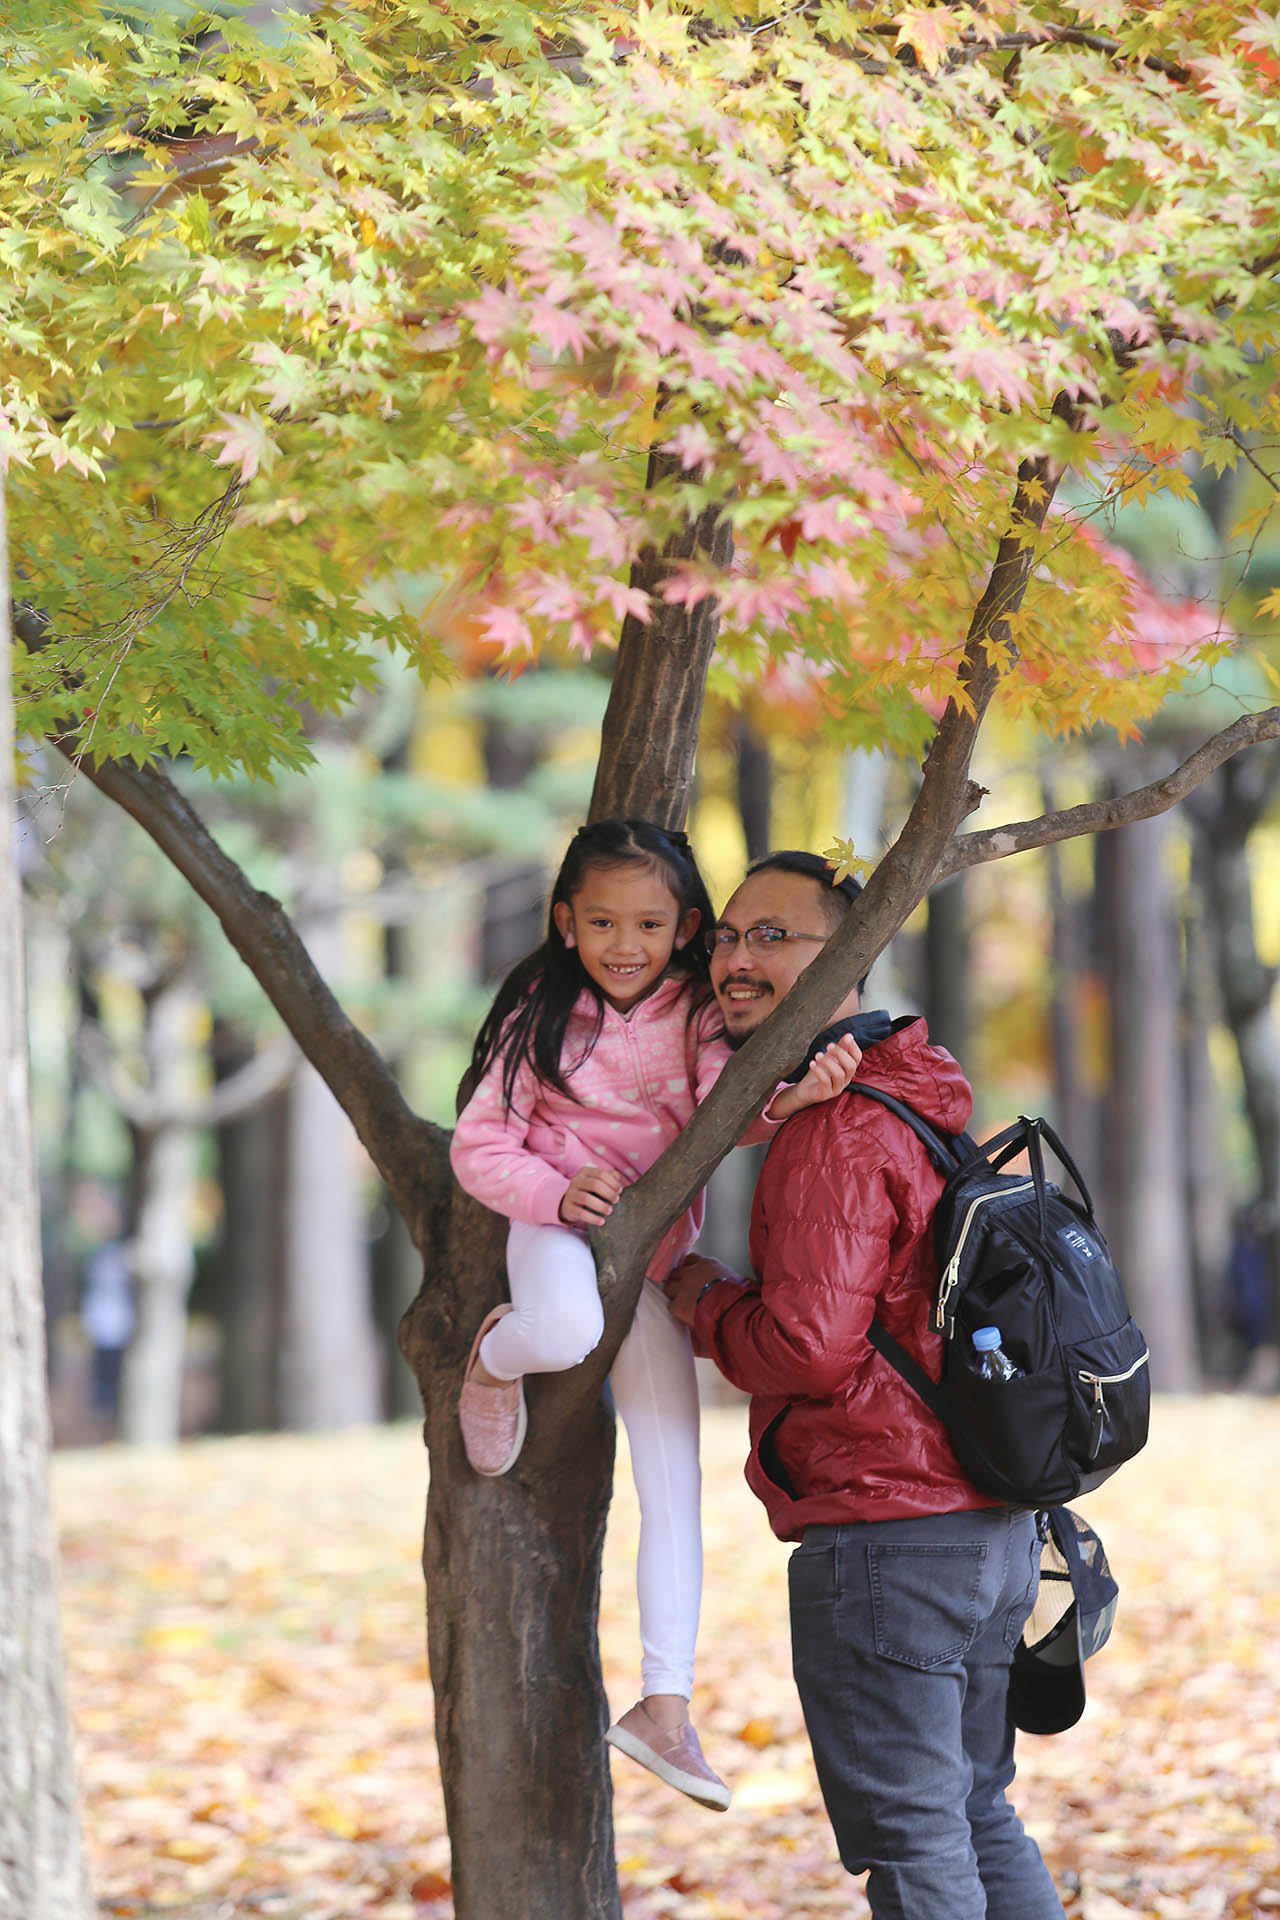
592	1059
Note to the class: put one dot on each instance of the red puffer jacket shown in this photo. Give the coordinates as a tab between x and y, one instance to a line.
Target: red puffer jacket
840	1231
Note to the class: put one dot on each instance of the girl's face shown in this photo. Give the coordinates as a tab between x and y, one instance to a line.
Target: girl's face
625	923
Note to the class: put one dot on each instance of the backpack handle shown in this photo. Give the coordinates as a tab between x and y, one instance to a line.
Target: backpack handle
1038	1130
1025	1133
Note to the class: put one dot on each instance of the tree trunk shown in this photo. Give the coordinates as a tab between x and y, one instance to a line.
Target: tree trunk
520	1708
1225	812
863	796
520	1712
249	1262
1147	1220
42	1865
649	738
1208	1189
330	1366
161	1253
946	967
753	770
1073	1044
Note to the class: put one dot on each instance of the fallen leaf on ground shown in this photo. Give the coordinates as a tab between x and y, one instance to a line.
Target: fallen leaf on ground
245	1640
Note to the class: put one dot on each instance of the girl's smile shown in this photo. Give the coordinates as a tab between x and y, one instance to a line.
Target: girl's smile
625	923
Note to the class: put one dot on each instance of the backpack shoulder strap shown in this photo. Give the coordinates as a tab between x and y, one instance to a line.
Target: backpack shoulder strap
939	1146
947	1152
911	1370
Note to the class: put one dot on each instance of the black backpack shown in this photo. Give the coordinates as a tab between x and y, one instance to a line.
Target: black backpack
1016	1253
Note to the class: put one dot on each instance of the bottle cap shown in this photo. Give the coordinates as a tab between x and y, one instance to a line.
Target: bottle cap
986	1339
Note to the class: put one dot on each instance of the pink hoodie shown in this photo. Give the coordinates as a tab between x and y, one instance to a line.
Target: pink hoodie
631	1096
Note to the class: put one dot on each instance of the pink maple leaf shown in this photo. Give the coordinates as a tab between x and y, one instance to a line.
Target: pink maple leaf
558	329
506	628
494	315
625	600
692	445
244	439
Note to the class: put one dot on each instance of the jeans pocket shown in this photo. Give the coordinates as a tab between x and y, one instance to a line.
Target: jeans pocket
925	1601
1021	1612
811	1575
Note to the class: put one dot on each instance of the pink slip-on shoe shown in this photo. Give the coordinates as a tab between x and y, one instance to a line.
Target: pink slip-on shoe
672	1753
493	1419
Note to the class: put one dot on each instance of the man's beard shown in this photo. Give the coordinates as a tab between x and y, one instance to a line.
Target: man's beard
765	996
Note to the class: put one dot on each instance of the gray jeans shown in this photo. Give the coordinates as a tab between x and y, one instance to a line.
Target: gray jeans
902	1632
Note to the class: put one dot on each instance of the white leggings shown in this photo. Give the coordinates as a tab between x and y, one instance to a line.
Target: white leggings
557	1322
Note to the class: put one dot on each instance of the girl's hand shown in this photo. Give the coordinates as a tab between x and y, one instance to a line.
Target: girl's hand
829	1074
592	1194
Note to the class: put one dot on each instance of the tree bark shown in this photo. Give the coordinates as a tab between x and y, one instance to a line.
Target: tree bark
1147	1217
162	1257
1208	1188
1073	1045
947	953
1225	812
753	771
42	1865
330	1365
648	743
251	1158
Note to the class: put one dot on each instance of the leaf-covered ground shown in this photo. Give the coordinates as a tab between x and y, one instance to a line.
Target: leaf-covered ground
245	1636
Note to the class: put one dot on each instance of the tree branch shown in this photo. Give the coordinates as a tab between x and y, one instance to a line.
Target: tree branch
410	1153
231	1098
1099	816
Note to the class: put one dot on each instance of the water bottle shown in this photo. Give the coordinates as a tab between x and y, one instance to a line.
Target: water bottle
993	1362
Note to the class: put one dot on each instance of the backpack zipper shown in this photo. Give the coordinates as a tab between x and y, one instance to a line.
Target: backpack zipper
1098	1381
951	1277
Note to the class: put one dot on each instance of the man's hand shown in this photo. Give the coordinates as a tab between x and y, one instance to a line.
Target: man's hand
591	1196
685	1283
829	1074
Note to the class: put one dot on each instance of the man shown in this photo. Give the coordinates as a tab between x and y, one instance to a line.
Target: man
909	1589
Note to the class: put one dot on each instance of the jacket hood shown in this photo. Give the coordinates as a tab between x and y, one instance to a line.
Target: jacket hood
907	1064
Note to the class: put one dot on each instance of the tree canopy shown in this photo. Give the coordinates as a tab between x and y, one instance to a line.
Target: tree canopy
363	330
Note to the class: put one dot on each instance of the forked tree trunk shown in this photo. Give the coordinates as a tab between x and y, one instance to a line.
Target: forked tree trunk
513	1566
42	1865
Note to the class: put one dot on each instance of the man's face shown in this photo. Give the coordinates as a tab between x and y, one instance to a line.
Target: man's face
750	981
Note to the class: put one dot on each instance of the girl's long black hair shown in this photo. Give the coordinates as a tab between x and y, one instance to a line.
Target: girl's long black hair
529	1018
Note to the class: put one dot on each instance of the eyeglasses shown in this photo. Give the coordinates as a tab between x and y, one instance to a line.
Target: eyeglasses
724	940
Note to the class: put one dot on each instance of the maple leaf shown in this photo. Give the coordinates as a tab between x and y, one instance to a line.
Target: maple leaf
559	330
245	440
507	628
930	32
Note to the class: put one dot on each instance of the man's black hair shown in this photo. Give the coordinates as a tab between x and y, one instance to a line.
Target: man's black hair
812	866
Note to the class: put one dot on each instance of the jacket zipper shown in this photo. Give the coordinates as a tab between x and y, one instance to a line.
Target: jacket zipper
637	1060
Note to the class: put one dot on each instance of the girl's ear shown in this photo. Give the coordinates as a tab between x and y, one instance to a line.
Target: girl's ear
562	914
687	928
